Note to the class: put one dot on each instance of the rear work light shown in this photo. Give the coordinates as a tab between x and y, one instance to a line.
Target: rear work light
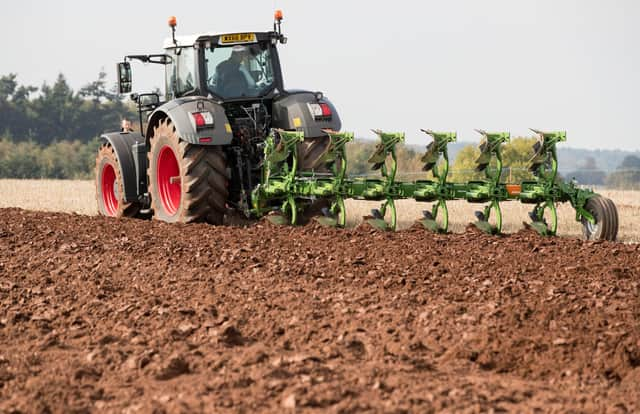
202	119
320	111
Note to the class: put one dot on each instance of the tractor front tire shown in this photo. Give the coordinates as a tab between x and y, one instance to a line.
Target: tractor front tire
187	183
606	215
110	186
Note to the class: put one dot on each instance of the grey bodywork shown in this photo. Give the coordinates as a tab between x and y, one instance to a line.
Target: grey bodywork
131	148
179	111
294	105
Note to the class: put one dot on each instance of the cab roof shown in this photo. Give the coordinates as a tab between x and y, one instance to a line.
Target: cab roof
190	40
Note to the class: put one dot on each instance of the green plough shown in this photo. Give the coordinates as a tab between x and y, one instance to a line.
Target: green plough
287	192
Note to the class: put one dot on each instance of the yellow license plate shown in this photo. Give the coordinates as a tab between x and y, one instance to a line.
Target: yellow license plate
238	38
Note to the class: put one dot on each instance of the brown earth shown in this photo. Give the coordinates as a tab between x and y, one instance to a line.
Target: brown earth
129	316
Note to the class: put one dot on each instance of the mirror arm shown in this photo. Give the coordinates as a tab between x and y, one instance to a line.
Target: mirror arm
163	59
142	107
141	58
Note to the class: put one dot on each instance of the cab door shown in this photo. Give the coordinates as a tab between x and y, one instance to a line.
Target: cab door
180	74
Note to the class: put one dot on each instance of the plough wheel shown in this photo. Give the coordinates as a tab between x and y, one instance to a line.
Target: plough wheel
613	212
606	219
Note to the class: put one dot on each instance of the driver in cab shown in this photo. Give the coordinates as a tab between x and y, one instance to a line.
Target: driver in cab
232	76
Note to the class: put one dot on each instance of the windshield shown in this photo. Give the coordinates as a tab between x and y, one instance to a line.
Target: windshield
239	71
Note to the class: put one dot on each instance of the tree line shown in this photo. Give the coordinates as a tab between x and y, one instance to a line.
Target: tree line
53	113
52	131
515	156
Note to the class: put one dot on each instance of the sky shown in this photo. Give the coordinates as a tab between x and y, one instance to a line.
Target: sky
399	65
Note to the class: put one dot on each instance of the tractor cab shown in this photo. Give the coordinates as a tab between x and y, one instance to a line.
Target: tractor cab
223	67
240	73
237	66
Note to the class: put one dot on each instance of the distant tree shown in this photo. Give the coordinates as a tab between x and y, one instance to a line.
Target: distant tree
102	109
409	164
627	175
359	151
515	159
8	86
357	155
97	90
630	162
515	162
589	173
57	113
15	114
464	166
20	160
64	159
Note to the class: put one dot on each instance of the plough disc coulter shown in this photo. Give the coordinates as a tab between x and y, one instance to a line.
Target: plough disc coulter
288	191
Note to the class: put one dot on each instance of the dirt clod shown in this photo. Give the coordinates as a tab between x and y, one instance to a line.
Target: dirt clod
173	367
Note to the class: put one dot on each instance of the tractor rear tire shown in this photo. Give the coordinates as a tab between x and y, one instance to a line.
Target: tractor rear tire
187	182
110	186
606	215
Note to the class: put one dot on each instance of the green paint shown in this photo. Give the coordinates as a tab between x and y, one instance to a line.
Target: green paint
288	190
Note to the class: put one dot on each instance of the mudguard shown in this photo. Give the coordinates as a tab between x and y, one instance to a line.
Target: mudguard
179	111
291	112
125	144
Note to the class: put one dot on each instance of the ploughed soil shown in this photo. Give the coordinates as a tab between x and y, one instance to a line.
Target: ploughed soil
105	315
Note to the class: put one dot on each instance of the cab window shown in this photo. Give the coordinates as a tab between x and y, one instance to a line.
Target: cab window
180	73
240	71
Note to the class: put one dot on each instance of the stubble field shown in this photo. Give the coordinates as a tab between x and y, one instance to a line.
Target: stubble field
79	197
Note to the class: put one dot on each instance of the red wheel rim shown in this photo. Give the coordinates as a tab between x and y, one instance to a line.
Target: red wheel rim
108	189
168	174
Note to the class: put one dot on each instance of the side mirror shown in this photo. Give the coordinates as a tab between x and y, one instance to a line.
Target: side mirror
149	100
124	77
146	101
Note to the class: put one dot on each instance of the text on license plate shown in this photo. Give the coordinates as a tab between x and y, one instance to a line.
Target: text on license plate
238	38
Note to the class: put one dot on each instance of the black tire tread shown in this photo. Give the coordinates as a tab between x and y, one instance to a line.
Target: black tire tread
605	220
204	178
613	214
608	221
125	209
606	215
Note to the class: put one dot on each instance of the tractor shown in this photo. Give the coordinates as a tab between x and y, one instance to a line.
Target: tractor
198	154
231	140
